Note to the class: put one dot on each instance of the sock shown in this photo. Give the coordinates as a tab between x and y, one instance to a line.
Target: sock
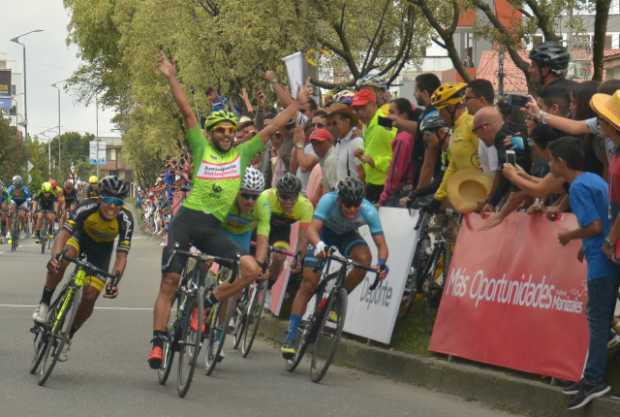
293	325
46	297
158	337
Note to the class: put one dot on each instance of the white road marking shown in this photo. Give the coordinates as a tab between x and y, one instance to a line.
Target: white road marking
96	308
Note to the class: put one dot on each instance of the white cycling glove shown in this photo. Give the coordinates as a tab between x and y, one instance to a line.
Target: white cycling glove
319	248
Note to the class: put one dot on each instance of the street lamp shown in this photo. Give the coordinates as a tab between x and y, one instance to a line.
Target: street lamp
16	40
55	85
49	148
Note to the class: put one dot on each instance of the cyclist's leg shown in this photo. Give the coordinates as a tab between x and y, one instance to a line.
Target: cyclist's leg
304	294
279	237
38	222
99	255
353	246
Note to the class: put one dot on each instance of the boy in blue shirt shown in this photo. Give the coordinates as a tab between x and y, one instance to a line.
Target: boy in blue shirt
588	195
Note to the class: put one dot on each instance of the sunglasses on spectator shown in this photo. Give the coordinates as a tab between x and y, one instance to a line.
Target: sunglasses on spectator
249	196
225	130
115	201
287	197
480	127
318	125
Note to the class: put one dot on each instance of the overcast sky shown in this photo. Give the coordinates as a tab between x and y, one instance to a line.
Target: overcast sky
49	59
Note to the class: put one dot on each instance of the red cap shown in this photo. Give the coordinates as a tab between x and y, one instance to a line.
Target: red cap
321	135
363	97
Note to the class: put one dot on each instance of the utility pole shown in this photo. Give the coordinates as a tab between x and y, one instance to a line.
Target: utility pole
55	85
97	132
500	71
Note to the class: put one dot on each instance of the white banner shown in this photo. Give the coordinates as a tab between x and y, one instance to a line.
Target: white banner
94	157
295	70
372	314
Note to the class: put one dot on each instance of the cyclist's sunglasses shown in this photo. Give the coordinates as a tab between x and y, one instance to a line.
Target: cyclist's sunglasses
225	130
249	196
351	205
113	200
287	197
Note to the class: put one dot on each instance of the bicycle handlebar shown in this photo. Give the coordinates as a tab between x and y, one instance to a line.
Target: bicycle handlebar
86	265
229	263
349	261
272	249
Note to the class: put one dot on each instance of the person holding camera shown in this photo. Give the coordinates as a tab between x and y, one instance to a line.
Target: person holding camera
400	174
378	136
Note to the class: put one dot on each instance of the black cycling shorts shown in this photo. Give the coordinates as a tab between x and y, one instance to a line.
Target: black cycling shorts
98	254
191	227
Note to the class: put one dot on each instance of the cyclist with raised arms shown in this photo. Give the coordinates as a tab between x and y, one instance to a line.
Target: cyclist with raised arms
285	205
218	169
337	217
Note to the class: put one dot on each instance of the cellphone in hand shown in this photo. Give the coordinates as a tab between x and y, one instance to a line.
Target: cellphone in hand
511	157
385	122
517	100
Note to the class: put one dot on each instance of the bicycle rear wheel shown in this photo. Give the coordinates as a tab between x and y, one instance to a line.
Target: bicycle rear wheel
254	314
216	335
15	234
189	343
328	335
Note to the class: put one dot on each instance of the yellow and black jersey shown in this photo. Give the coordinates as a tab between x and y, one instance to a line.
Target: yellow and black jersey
88	220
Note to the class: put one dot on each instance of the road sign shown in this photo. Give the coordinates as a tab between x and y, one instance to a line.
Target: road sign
97	157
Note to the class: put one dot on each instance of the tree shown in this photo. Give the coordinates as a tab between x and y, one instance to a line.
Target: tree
600	30
12	152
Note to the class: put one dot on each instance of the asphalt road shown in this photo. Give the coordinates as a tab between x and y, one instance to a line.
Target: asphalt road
107	374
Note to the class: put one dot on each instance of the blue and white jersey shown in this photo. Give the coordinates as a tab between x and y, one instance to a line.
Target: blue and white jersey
18	195
328	211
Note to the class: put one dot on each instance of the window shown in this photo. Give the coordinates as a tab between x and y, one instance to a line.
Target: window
434	50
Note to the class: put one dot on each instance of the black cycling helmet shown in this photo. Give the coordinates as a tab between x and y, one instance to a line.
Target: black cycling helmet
351	191
551	54
114	187
432	122
289	184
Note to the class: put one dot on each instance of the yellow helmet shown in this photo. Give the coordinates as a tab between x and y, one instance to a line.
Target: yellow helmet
46	187
448	94
93	180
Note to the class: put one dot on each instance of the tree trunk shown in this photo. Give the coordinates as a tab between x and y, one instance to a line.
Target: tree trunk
600	29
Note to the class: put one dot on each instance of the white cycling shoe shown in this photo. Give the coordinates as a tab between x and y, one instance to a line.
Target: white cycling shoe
40	313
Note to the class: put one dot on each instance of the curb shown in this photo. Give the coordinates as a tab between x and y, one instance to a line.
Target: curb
494	388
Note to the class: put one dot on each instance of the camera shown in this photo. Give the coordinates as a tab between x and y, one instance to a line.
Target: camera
516	100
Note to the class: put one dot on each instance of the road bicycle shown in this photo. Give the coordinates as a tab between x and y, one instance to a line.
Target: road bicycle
249	310
323	330
51	338
186	328
46	233
433	254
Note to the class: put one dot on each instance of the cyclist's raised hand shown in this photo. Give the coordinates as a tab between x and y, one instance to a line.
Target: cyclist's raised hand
166	67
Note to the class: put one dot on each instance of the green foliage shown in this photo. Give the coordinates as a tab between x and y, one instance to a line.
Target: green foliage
225	44
12	152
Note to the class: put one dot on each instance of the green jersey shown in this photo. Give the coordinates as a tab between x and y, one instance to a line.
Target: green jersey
217	176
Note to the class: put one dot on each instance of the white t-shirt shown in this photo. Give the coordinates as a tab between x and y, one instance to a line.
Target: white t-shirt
328	166
489	161
346	162
610	146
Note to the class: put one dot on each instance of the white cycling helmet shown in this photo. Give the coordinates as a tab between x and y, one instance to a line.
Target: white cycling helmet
253	180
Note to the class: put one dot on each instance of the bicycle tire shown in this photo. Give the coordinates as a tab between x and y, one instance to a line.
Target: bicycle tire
43	235
338	301
306	329
240	317
214	347
41	340
168	358
55	343
255	312
431	290
15	235
194	337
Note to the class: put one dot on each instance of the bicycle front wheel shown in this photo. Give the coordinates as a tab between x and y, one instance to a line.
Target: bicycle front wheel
215	339
254	314
328	334
41	340
240	318
55	339
171	341
189	343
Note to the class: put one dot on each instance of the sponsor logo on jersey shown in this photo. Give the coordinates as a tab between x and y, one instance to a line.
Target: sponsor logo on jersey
220	171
